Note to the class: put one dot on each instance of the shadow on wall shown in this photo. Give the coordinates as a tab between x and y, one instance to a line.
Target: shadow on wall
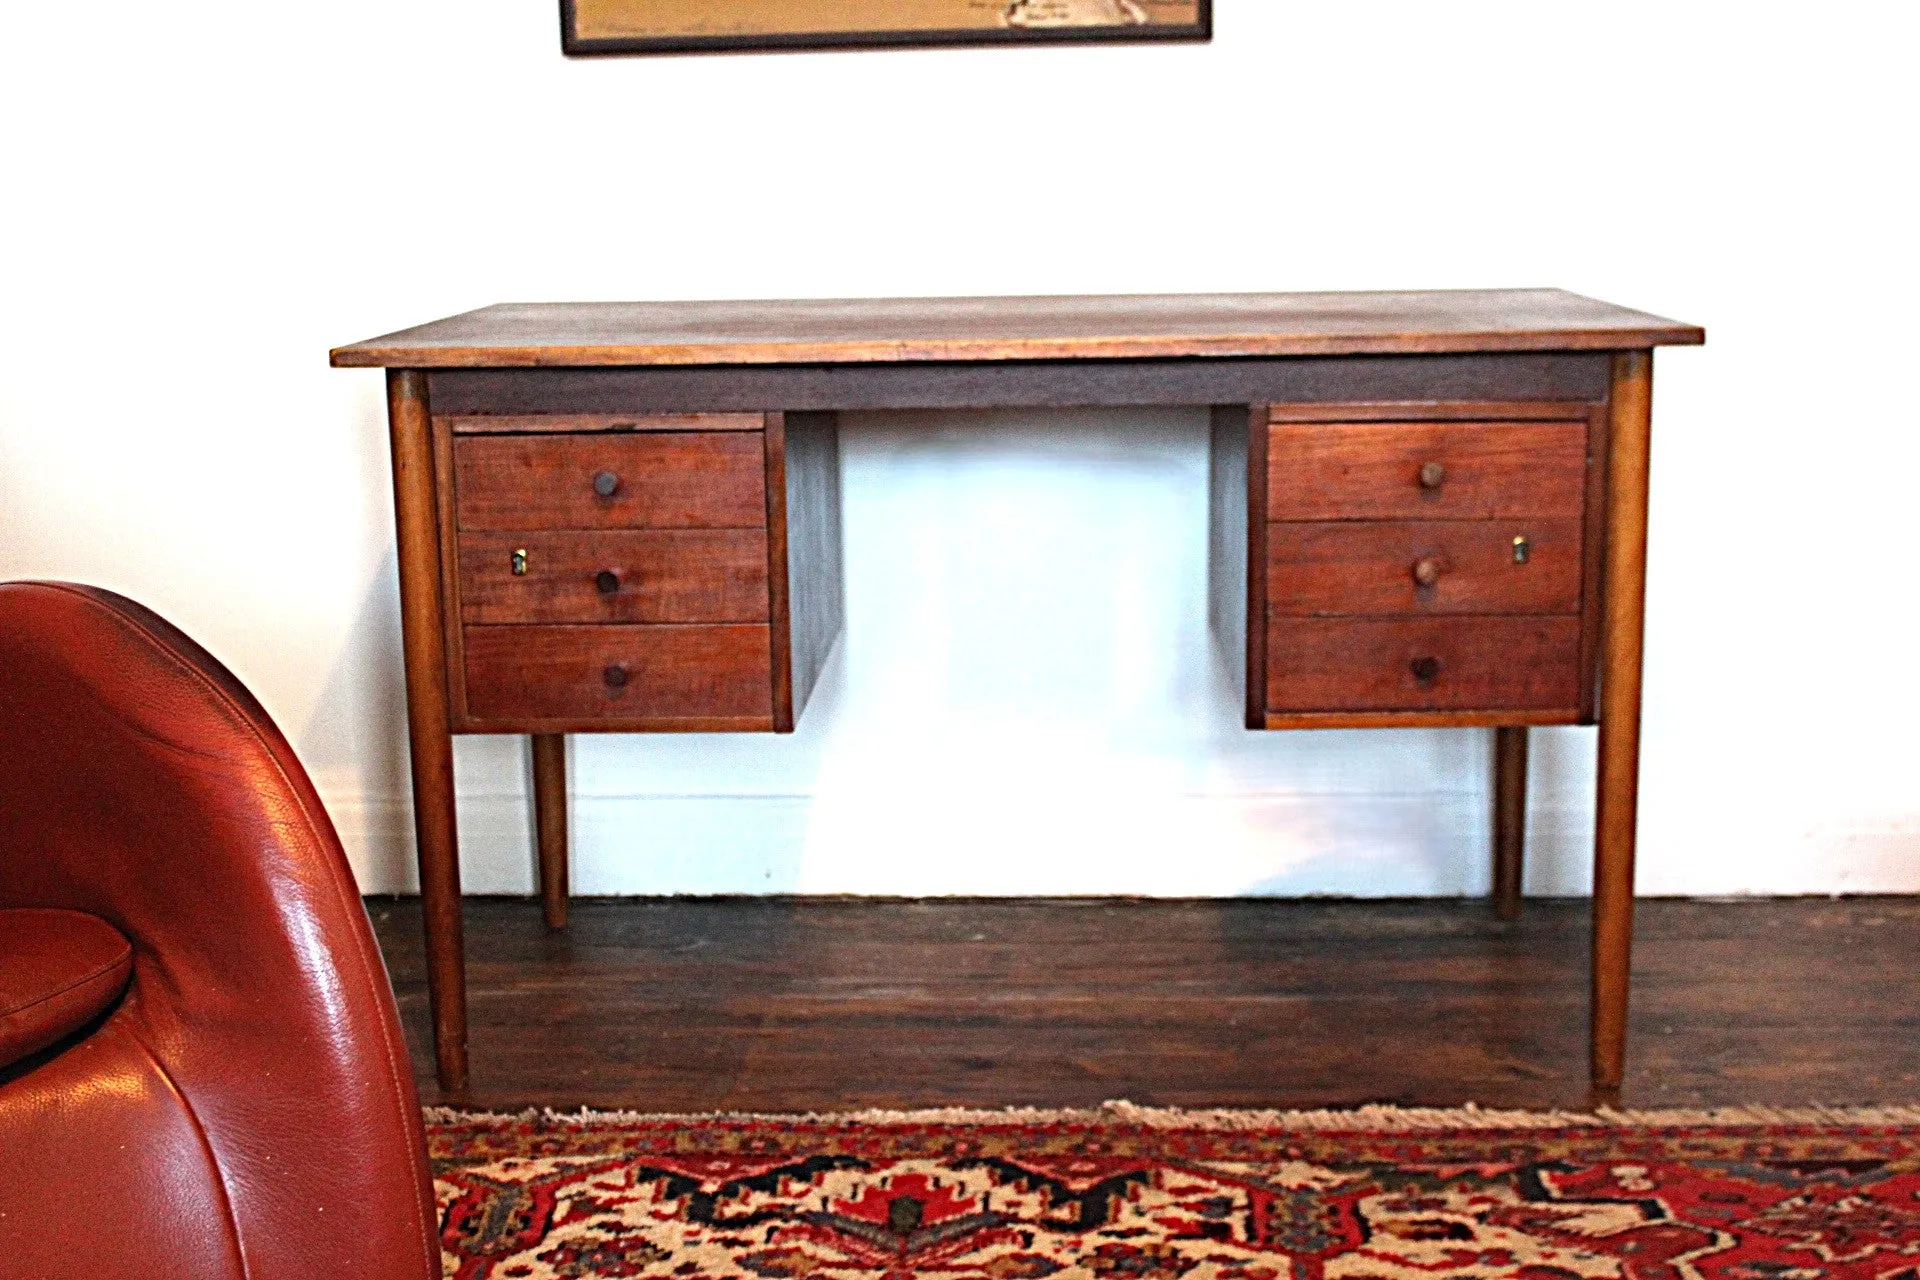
354	743
1356	841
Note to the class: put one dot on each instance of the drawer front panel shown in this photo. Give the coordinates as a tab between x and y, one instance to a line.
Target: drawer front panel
619	673
1425	470
664	480
655	575
1423	664
1424	567
522	423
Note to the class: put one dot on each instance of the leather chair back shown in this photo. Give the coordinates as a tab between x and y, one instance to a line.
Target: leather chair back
246	1109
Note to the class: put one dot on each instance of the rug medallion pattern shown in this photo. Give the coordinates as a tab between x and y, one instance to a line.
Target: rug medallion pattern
531	1198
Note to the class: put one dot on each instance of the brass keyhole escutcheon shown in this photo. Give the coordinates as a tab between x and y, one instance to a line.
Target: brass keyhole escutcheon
1522	548
519	562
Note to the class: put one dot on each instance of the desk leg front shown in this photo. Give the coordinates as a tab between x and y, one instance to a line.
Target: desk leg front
1509	819
429	738
1625	587
550	823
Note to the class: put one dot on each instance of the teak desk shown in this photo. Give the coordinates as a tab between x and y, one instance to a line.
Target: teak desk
1426	509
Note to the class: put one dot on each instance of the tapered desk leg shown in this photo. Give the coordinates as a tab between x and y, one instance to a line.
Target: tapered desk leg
550	821
427	721
1509	819
1625	588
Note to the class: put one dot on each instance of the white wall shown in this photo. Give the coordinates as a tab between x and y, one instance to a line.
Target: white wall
197	201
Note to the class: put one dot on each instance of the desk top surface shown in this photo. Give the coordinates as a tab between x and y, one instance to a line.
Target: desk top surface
897	330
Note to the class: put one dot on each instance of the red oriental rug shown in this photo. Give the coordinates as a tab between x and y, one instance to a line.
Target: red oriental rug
1145	1195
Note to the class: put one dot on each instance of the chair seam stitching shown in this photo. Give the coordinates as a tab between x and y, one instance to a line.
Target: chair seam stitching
10	1010
206	1145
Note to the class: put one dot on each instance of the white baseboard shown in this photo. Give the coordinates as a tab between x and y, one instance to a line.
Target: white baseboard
1198	846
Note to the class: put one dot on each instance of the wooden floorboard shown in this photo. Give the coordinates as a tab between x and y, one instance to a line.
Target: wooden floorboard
823	1004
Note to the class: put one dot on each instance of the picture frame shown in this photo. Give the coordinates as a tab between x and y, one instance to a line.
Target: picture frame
591	28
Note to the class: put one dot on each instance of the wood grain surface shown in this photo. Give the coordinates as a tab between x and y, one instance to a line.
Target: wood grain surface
1014	384
593	423
1367	664
887	330
1333	567
416	477
671	480
816	576
1372	470
694	672
1617	792
1507	718
659	575
1592	605
1258	465
772	1004
779	572
1509	820
550	824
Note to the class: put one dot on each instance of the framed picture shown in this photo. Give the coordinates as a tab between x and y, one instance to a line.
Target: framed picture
691	26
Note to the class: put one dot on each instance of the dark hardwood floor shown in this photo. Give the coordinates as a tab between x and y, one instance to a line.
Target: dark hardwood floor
818	1004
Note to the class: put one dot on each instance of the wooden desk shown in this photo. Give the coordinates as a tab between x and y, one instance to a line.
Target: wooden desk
1426	509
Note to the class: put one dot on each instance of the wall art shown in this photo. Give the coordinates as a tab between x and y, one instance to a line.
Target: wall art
689	26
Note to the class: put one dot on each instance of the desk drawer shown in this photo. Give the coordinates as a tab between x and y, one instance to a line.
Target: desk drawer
1425	470
610	674
1423	664
655	480
615	575
1424	567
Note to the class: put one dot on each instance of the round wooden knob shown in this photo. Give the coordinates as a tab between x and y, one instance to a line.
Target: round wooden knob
1432	475
606	484
615	675
607	581
1426	571
1425	670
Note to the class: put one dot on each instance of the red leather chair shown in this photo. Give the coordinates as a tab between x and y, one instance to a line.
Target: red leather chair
201	1069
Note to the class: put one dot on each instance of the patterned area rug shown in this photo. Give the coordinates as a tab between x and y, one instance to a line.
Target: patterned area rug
1144	1195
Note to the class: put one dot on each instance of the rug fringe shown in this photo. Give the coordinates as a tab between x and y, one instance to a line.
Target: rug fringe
1367	1119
